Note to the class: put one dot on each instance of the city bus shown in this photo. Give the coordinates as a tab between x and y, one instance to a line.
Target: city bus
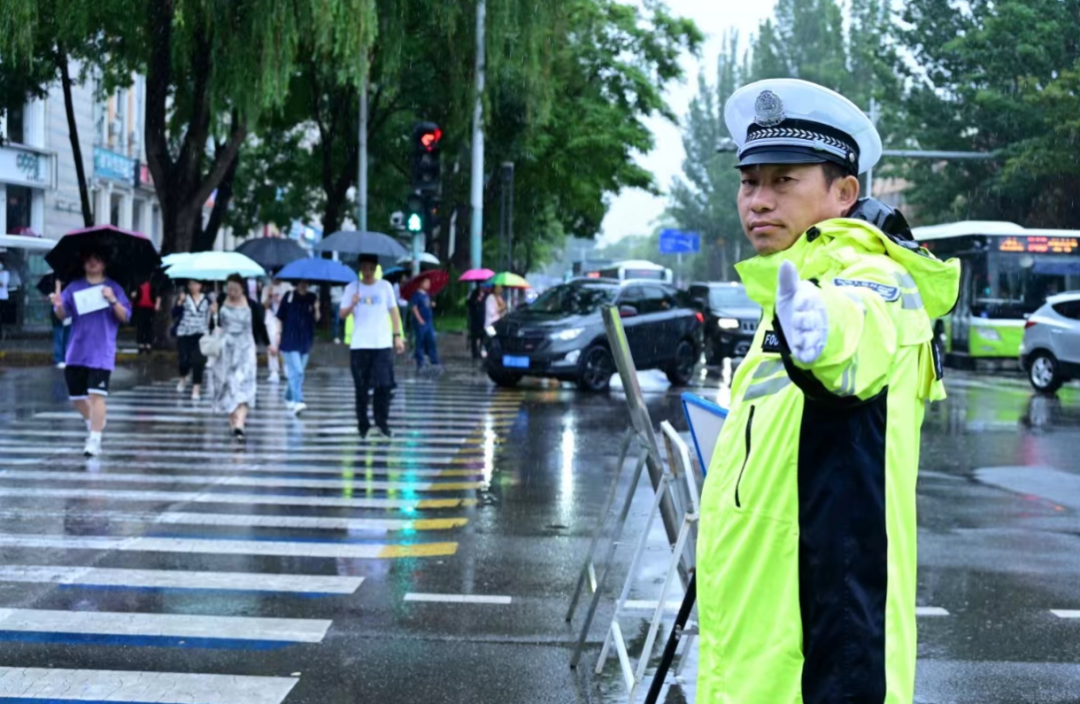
636	269
1007	273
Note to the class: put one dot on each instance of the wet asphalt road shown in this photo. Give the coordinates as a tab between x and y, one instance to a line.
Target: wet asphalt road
437	568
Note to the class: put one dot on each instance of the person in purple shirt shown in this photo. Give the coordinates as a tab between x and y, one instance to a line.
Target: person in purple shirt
97	306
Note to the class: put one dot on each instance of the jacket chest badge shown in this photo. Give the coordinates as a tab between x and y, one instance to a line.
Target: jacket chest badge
770	342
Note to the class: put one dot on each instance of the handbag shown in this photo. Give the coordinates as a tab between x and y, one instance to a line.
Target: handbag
210	344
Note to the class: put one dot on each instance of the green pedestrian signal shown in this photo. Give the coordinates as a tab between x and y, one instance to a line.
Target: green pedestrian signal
415	223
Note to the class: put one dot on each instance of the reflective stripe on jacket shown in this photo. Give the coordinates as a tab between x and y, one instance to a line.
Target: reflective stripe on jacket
806	553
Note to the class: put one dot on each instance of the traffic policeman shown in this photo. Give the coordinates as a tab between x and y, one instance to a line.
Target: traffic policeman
806	554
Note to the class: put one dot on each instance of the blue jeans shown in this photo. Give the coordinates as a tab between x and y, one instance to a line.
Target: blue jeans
295	364
60	335
425	344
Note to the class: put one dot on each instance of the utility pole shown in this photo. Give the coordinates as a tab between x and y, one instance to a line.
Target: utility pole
477	224
870	172
361	178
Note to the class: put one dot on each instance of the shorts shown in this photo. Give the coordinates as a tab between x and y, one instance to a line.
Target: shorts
83	381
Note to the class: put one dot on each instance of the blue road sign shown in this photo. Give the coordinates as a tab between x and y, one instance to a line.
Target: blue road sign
679	242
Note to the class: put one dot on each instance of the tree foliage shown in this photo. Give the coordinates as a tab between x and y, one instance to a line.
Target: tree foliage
999	77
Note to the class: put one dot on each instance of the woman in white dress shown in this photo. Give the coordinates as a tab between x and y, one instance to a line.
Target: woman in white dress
240	322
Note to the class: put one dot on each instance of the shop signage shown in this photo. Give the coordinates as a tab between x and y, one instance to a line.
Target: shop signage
113	166
24	167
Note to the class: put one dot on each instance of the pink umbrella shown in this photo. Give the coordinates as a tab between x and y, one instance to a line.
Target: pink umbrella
476	275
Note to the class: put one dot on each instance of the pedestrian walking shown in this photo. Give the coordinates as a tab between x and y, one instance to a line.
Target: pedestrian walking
297	315
806	574
240	325
194	322
376	338
5	281
494	307
476	322
146	303
272	295
424	321
97	307
336	293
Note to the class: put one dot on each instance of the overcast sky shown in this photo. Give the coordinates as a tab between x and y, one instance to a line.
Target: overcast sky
633	212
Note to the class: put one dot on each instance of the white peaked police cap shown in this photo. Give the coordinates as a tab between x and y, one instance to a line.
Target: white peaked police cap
788	121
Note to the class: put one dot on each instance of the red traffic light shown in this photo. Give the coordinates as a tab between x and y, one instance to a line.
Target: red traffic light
430	140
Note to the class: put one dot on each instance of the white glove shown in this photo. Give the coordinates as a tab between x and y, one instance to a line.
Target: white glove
801	310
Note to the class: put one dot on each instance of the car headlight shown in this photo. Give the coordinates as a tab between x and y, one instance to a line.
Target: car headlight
567	335
728	323
490	330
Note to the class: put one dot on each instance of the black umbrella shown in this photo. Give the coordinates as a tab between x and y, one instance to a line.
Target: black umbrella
386	248
272	253
130	256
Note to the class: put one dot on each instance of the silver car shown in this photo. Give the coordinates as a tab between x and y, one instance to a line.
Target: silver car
1050	353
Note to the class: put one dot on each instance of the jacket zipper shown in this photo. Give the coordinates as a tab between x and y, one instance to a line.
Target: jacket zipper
749	428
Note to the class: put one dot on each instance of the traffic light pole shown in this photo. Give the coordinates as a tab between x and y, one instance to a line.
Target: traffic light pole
477	196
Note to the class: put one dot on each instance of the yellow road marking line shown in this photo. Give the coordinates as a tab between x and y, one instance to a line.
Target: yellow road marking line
419	550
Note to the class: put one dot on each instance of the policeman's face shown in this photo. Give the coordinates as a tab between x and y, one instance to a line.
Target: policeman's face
779	202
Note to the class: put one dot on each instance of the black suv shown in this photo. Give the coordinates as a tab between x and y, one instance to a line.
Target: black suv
731	319
561	335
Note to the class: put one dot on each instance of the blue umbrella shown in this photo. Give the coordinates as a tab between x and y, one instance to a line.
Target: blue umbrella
319	271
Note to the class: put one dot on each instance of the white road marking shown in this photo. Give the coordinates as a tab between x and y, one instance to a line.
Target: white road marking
417	440
647	605
357	483
458	598
212	498
1065	613
237	520
420	423
141	449
124	686
287	630
930	611
178	579
336	469
272	548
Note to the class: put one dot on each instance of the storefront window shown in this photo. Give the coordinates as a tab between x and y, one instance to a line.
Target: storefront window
16	125
18	209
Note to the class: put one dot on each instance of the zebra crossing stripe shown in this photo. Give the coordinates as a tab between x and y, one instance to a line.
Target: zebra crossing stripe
241	520
246	499
423	422
56	685
178	579
151	437
122	449
268	548
337	470
355	483
162	626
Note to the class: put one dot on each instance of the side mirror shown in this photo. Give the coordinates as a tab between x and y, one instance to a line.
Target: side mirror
627	311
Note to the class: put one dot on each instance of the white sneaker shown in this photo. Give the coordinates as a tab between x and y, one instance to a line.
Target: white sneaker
61	365
299	408
180	387
93	448
337	340
290	406
275	378
195	395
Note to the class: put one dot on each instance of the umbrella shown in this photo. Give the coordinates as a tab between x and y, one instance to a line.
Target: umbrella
214	266
320	271
395	273
170	259
425	258
131	255
477	275
508	280
272	252
439	279
386	248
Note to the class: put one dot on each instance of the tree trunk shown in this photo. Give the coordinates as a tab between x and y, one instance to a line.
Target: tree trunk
208	235
73	135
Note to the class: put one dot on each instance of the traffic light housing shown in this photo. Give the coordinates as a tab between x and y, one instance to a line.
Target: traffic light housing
416	214
426	153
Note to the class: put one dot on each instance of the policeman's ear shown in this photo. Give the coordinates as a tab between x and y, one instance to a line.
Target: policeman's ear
847	192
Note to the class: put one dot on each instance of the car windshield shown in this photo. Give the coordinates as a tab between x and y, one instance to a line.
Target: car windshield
730	297
574	300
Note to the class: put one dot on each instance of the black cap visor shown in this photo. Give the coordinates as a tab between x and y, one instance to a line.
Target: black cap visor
789	155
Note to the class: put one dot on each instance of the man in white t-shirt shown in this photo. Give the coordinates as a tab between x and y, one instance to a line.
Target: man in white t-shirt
376	337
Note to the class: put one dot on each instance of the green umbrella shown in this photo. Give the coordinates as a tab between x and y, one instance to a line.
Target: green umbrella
508	280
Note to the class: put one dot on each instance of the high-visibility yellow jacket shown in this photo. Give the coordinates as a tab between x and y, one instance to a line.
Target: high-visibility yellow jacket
806	552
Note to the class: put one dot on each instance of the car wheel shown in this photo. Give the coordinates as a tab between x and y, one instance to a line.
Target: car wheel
681	370
501	377
595	370
1044	374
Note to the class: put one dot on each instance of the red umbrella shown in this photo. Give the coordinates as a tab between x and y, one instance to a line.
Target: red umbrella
439	279
131	255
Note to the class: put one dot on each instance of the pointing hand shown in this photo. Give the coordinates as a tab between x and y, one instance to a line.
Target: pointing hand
801	310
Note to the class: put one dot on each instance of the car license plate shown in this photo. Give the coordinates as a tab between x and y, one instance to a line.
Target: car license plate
516	362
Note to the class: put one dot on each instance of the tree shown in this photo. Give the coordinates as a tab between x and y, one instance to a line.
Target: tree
40	38
999	77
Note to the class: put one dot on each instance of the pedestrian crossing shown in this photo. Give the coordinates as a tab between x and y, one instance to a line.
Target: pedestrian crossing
303	509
